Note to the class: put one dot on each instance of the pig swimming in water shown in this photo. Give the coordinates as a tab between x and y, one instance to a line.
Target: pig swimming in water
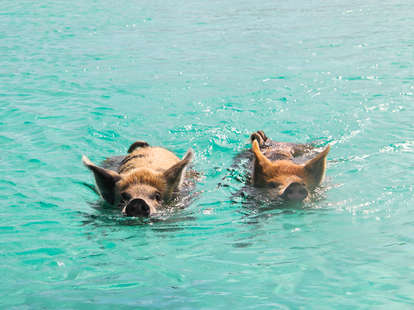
147	178
275	170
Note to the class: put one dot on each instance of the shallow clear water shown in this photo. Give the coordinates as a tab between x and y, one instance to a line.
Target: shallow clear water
89	77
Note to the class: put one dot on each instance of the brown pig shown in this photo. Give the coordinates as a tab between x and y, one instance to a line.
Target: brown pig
274	168
147	178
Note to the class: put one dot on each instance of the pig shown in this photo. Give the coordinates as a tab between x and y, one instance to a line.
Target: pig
275	170
147	179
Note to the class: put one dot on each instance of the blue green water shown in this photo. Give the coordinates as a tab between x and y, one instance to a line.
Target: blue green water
91	77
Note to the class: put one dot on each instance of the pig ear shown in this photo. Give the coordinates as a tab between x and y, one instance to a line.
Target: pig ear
105	180
261	160
174	175
315	168
261	164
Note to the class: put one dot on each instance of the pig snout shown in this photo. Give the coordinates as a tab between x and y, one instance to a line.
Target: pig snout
136	207
295	192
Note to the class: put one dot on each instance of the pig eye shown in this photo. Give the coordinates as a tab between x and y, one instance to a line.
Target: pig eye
273	184
157	196
125	196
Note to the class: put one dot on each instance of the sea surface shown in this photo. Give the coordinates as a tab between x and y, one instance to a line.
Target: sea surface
91	77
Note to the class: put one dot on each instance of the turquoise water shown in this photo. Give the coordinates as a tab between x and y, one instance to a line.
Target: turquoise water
89	77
